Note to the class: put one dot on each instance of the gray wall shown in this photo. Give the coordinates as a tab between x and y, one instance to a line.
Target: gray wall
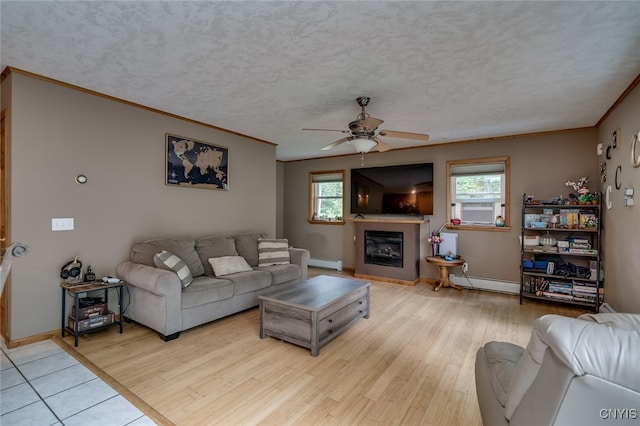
55	133
622	224
540	165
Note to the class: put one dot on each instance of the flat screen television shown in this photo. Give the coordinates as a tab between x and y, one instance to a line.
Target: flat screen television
400	189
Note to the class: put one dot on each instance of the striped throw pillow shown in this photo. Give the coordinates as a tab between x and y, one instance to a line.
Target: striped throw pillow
171	262
273	252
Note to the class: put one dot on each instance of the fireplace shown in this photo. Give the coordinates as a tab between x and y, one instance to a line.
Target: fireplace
388	250
383	248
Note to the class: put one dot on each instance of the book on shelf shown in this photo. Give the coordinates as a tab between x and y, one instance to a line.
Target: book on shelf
564	288
554	295
582	251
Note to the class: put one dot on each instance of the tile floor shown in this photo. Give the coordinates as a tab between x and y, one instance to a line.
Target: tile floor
41	384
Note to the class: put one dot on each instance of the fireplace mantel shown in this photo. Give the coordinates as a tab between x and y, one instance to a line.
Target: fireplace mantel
395	220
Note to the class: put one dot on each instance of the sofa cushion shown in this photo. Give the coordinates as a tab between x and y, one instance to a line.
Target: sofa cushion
182	247
171	262
273	252
206	290
214	247
502	359
247	246
245	282
225	265
282	273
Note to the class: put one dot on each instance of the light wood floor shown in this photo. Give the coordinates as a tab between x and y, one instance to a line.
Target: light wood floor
411	363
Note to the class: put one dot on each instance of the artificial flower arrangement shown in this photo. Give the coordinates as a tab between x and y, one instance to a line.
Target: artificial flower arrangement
435	241
581	187
435	238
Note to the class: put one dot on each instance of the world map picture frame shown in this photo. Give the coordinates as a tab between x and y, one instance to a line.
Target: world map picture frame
195	164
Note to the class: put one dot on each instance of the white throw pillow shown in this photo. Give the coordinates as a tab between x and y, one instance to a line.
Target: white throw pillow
225	265
171	262
273	252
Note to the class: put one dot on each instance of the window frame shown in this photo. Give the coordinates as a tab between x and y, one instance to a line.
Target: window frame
312	198
507	191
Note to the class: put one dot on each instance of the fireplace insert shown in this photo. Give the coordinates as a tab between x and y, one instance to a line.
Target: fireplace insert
383	248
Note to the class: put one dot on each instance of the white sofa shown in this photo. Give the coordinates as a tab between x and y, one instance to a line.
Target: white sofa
574	371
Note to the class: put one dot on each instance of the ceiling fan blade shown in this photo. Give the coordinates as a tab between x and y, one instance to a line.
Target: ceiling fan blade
329	130
405	135
381	147
336	143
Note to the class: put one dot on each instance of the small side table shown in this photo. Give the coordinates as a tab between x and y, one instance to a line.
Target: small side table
84	287
444	266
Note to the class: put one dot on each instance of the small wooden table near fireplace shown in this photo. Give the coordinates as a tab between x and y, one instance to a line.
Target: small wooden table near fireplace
444	266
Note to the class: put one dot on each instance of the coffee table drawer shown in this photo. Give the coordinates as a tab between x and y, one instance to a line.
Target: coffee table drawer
335	322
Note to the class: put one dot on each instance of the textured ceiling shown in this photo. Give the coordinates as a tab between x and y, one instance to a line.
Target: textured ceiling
455	70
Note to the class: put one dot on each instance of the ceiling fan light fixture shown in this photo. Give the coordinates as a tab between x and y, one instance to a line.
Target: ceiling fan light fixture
363	144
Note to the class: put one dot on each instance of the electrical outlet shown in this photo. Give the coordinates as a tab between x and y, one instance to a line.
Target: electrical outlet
465	267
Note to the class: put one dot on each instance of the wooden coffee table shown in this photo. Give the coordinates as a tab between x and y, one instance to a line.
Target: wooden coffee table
312	313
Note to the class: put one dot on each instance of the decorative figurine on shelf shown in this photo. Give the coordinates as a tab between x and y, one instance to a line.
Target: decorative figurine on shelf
89	275
499	221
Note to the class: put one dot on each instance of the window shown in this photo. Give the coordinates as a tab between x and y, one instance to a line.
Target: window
478	192
326	199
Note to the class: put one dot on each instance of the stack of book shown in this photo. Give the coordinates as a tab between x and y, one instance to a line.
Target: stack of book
559	290
586	291
580	246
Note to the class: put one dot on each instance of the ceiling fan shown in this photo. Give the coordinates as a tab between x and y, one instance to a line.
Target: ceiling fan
362	132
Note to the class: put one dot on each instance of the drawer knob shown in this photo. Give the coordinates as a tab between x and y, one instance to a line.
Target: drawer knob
330	320
361	302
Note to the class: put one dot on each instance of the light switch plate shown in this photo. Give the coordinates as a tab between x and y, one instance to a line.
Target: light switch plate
62	224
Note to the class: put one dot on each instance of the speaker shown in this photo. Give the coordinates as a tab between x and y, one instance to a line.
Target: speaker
72	270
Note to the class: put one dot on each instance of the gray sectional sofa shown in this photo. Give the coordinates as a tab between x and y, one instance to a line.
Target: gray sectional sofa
160	300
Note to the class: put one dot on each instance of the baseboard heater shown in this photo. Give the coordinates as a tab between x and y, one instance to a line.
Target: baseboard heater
326	263
485	284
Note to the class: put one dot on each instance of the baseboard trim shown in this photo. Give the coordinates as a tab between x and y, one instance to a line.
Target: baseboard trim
11	344
386	280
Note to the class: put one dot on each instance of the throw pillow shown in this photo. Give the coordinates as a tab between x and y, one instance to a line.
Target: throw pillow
171	262
247	246
225	265
273	252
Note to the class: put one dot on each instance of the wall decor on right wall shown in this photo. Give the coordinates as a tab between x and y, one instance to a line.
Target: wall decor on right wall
615	138
635	160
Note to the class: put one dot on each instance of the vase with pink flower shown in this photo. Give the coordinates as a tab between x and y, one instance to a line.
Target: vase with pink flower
435	241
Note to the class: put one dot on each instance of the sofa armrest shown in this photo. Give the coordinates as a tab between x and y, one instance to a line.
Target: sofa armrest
300	257
155	280
603	347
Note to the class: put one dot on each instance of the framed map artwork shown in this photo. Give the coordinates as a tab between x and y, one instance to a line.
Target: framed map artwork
196	164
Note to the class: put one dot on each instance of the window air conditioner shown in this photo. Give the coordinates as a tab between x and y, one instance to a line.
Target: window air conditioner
478	212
